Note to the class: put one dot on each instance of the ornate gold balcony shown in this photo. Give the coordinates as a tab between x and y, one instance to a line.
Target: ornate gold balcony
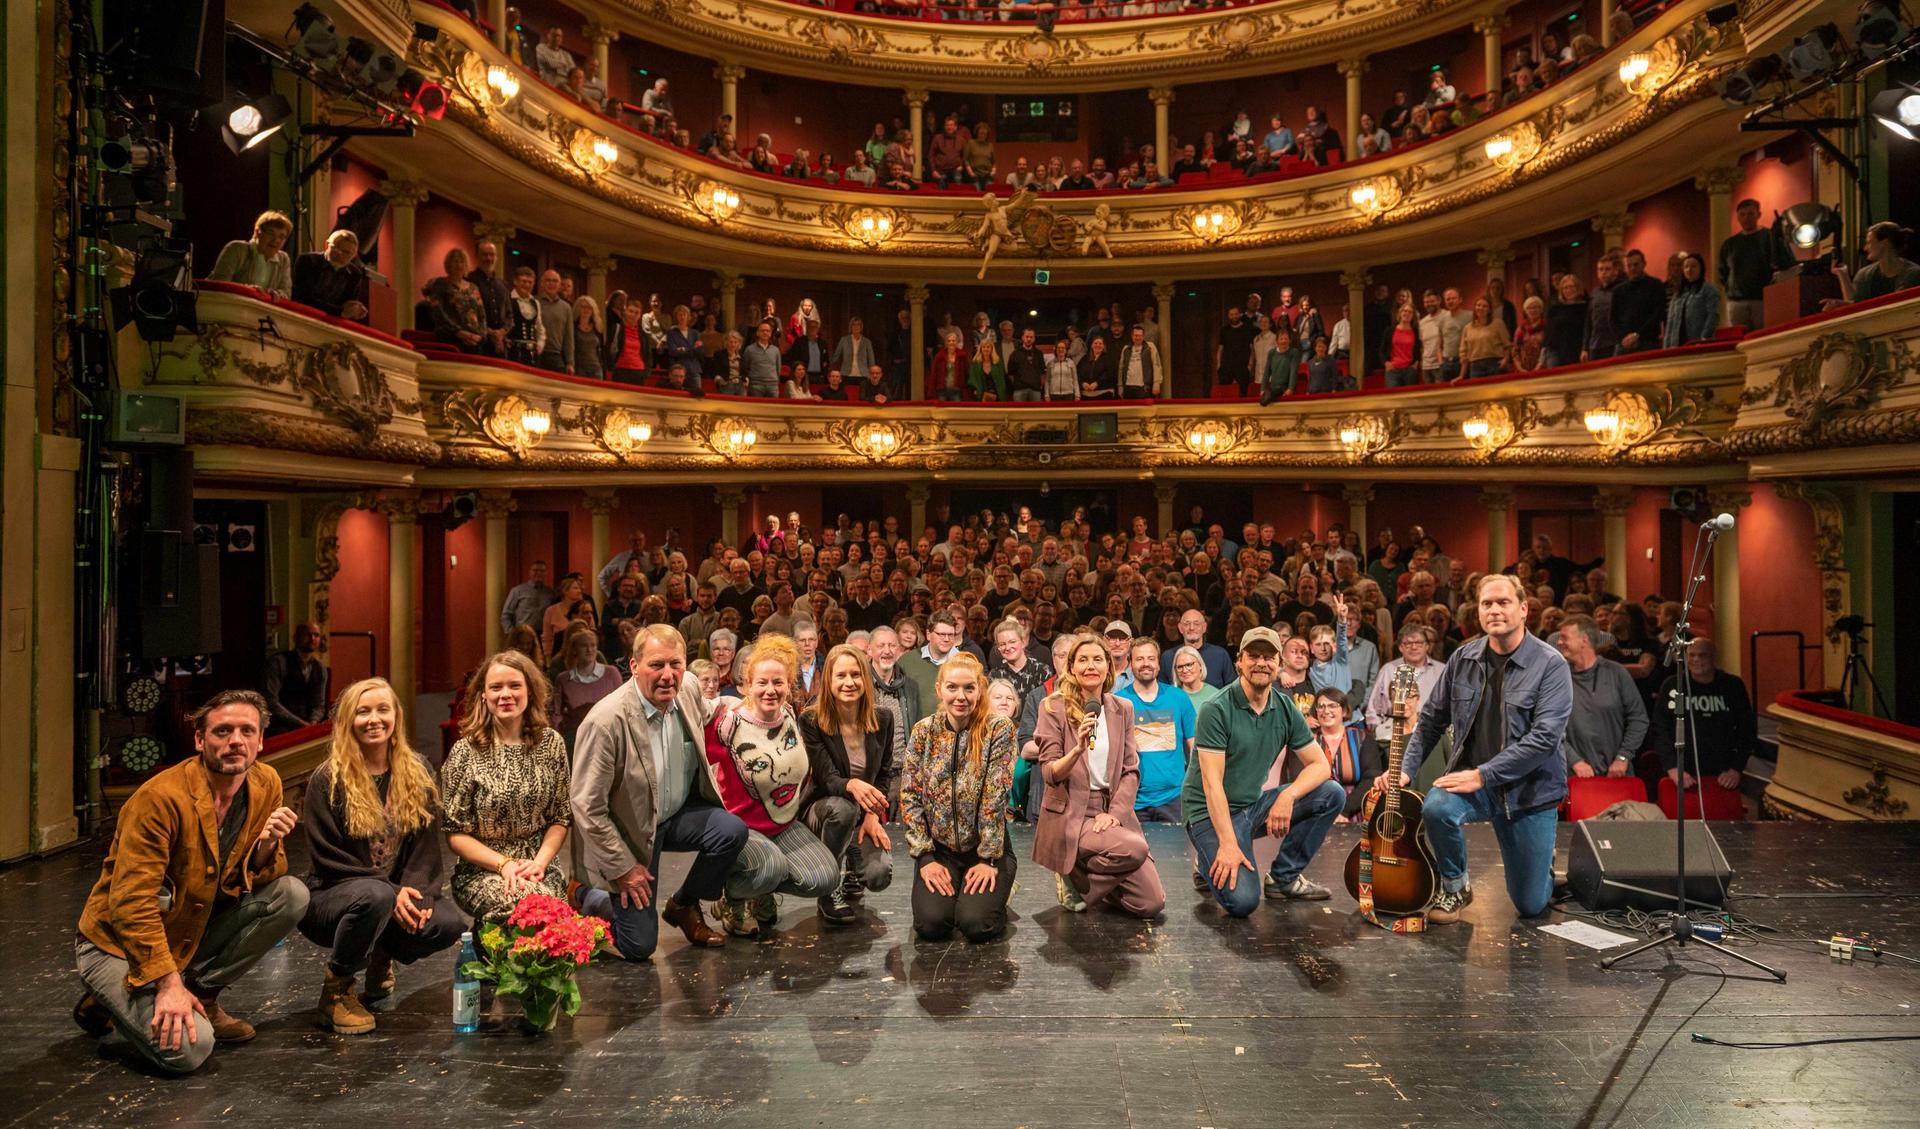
1591	145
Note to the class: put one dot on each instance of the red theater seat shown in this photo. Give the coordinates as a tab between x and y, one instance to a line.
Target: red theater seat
1588	796
1721	803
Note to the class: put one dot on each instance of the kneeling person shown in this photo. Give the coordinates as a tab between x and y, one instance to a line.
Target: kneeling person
1242	732
1088	834
850	743
635	794
177	916
373	831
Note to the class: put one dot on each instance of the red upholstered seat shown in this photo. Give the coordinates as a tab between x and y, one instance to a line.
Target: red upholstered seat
1588	796
1721	803
1189	179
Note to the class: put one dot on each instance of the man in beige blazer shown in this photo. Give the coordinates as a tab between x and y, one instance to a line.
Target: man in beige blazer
636	792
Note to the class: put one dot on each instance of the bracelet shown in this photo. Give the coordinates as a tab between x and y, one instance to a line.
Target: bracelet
502	868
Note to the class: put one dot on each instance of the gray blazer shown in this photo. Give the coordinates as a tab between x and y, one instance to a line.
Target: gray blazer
614	781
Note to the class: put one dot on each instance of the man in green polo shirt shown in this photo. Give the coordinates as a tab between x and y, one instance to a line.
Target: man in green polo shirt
1242	732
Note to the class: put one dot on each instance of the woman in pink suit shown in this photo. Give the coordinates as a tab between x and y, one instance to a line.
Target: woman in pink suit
1088	834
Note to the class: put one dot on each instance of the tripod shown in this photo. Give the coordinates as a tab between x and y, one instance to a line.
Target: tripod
1678	927
1858	671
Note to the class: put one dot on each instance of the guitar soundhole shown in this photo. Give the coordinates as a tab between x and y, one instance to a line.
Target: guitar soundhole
1390	825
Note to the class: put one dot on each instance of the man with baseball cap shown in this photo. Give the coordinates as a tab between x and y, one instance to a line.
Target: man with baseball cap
1118	636
1241	733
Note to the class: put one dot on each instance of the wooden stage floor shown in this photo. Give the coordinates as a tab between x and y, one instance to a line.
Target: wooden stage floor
1301	1015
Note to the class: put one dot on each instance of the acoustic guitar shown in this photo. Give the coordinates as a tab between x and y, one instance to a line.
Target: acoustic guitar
1403	875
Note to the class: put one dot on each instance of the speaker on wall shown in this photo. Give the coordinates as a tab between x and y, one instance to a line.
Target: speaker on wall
1616	863
174	590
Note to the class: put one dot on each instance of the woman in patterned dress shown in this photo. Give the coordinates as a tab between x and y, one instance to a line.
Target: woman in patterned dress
953	803
505	784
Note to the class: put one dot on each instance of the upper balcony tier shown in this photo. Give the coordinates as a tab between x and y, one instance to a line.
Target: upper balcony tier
786	36
1585	145
321	402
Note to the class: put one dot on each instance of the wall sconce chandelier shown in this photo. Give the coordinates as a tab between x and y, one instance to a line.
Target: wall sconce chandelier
501	85
1364	436
1211	223
590	152
1650	73
1376	196
1209	439
1493	427
717	202
1511	149
730	437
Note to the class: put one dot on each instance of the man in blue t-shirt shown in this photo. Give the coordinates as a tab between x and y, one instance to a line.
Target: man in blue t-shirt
1163	723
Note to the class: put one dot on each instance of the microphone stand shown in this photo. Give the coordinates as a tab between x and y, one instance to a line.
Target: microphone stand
1678	927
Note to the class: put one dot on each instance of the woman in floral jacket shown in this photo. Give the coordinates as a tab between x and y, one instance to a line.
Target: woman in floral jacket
953	802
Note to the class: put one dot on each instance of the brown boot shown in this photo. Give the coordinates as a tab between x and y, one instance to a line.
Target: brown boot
379	978
339	1009
226	1028
92	1017
689	921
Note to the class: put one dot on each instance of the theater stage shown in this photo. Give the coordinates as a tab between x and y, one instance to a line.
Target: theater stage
1301	1015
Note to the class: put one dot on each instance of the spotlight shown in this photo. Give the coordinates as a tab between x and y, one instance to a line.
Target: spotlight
316	38
1805	225
1815	53
1878	27
355	58
460	510
1743	85
246	122
1898	109
382	71
428	99
159	301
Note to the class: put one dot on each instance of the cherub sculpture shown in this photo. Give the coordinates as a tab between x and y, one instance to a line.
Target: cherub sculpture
1095	233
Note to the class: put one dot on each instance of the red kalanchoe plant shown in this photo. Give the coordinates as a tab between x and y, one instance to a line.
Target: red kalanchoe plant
536	953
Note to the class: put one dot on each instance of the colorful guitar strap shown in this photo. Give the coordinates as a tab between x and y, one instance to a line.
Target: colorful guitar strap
1411	923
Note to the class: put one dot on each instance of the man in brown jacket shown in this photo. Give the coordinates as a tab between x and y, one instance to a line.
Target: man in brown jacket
193	892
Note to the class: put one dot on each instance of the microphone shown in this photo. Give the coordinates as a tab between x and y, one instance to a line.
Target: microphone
1720	524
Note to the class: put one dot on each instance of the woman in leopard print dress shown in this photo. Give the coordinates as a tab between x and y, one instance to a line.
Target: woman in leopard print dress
505	784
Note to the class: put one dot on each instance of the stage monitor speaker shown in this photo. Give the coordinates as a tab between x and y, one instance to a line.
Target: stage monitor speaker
1099	427
1612	864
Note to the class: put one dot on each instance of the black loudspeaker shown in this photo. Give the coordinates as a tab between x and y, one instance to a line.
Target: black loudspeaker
175	576
1099	427
1616	863
174	47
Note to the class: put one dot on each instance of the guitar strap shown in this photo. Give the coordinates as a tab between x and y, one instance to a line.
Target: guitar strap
1411	923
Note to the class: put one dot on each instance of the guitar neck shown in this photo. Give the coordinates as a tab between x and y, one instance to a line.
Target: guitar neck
1396	751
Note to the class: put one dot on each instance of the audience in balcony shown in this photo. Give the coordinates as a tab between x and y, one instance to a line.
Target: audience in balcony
556	325
1693	310
1529	337
260	262
1639	306
526	329
1887	269
762	359
589	338
457	314
551	59
1566	324
333	281
1484	341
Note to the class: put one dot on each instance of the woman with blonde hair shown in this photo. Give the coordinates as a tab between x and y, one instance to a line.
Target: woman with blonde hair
849	737
953	804
589	338
758	765
372	817
505	784
1088	834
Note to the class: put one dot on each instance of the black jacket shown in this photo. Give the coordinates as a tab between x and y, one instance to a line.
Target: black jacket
337	856
827	754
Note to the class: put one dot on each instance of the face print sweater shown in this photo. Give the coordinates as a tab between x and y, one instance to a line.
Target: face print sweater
759	773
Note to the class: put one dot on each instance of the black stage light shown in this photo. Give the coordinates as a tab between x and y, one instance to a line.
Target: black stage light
246	122
315	38
428	99
382	71
159	301
1743	85
1816	53
1898	109
1878	27
460	510
355	57
1805	225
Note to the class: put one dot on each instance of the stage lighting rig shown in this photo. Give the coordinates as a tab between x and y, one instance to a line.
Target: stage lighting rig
247	122
1879	28
315	39
1744	85
1816	53
1897	108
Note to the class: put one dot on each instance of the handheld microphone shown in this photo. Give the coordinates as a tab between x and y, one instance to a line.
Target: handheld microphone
1721	523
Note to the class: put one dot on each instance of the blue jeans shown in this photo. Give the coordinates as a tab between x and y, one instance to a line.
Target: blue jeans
715	837
1313	814
1402	377
1526	844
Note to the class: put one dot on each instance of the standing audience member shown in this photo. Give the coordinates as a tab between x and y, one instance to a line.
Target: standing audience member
1639	306
1749	258
556	324
1693	312
589	338
193	892
373	841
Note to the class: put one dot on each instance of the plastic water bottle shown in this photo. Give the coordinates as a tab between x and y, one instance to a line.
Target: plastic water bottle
466	989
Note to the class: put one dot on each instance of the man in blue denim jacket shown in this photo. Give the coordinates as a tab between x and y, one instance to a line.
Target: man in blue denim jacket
1510	774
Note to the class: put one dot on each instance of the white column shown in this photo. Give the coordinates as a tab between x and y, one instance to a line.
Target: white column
1163	310
1162	127
1727	634
1606	23
403	197
917	495
916	99
917	295
727	285
1614	503
403	566
1163	495
601	501
1718	183
1356	280
497	16
1351	70
730	75
600	35
1495	259
728	498
1357	495
1499	503
495	505
1612	227
597	265
1490	26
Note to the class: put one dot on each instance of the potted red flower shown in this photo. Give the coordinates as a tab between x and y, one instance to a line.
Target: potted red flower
536	954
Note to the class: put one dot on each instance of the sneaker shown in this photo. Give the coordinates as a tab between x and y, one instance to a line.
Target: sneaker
1070	898
835	909
736	917
766	910
1447	905
1301	889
